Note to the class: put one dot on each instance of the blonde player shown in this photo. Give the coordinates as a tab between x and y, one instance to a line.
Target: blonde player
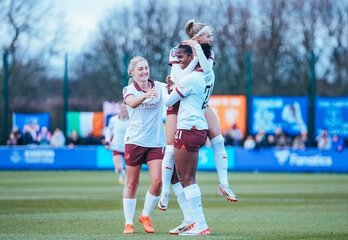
193	91
144	140
115	139
199	33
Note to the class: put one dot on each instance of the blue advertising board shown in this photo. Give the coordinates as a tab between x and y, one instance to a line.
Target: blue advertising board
331	114
239	159
48	158
21	119
286	160
268	113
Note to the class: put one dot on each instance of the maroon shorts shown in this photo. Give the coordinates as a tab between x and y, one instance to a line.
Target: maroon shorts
137	155
191	140
173	109
115	153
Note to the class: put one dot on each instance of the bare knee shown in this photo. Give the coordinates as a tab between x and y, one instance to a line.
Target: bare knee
131	188
156	186
187	180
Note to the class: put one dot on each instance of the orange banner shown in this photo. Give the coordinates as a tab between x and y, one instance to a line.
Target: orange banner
230	109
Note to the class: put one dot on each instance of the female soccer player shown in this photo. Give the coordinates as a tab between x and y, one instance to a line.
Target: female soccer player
198	33
144	140
115	139
193	91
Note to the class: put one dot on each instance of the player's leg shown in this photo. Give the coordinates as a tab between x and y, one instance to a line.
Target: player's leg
186	165
152	195
168	161
186	160
188	222
117	157
129	197
220	155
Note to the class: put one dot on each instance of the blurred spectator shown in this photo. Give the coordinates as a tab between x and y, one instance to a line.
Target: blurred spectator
249	143
281	139
73	139
34	131
58	138
29	136
90	140
12	140
271	142
260	139
323	140
305	139
298	144
44	136
233	136
337	143
18	135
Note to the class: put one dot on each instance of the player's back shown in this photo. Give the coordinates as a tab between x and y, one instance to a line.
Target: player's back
199	87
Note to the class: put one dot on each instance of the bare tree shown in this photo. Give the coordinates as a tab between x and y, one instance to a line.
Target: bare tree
232	43
123	34
334	18
29	29
29	37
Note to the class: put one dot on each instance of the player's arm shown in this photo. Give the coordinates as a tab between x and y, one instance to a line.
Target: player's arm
108	133
170	99
177	72
189	68
180	91
205	63
134	102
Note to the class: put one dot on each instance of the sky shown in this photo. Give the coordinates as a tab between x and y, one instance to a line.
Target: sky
82	17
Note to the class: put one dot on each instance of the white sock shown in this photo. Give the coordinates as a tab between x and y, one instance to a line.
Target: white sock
167	169
220	157
129	205
183	203
193	196
149	204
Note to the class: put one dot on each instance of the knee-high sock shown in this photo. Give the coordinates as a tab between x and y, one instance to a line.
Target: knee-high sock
149	203
220	157
193	196
167	169
183	203
129	205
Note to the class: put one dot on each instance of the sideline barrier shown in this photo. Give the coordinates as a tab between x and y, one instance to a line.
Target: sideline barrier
239	159
285	160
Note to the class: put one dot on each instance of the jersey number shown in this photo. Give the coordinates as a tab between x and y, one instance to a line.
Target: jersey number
178	134
207	92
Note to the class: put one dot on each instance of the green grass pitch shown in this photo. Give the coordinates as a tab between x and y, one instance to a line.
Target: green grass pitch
88	205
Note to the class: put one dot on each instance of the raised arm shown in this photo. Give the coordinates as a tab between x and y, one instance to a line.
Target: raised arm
177	72
206	64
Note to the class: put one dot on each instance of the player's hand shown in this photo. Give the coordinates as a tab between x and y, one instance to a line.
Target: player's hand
170	83
191	42
152	93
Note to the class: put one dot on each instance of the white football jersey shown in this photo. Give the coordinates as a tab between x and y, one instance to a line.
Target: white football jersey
145	126
116	131
195	88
